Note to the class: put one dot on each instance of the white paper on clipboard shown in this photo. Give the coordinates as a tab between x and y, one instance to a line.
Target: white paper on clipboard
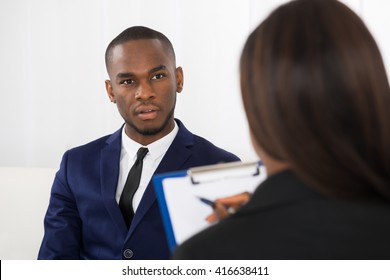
178	194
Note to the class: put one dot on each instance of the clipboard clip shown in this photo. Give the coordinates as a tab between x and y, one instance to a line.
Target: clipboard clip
221	171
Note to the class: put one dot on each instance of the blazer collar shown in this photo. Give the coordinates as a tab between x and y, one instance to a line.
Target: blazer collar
109	170
174	159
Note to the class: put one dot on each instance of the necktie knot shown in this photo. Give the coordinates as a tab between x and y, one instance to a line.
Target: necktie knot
142	153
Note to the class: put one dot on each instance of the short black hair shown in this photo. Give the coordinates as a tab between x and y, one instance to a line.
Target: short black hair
137	33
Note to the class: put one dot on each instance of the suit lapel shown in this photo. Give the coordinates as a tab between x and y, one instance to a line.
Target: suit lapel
109	170
174	159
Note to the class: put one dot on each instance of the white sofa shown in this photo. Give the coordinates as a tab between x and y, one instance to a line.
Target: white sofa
24	197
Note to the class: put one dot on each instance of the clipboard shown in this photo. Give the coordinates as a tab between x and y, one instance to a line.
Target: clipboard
178	194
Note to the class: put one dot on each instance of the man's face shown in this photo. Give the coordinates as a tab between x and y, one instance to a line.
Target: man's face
143	83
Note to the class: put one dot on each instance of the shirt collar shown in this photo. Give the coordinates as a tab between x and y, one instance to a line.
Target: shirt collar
156	149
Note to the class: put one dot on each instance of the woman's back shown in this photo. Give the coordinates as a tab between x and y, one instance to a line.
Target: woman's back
285	219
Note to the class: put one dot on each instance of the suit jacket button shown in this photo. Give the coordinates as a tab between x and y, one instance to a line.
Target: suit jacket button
128	254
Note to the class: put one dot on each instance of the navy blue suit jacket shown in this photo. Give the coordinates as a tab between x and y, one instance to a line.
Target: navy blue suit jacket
84	221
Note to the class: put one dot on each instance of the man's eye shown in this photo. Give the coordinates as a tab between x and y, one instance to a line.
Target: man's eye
158	76
128	82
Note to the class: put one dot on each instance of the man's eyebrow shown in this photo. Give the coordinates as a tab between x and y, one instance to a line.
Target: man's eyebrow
124	75
130	74
158	68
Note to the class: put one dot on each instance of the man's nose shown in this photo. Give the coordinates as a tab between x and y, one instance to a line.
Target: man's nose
145	91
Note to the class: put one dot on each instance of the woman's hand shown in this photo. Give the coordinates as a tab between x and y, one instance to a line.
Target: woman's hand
224	207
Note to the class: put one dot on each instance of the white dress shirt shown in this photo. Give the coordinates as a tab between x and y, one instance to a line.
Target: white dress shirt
151	161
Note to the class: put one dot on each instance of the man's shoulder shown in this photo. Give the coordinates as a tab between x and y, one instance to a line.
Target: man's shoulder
97	144
203	148
203	145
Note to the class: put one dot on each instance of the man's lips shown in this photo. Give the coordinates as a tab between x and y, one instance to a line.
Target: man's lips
147	112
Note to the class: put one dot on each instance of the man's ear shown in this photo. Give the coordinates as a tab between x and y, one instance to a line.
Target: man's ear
110	91
179	79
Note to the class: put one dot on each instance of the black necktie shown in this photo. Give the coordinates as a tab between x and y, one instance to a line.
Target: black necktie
131	186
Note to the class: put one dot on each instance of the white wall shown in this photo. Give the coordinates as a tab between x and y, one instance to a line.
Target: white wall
52	68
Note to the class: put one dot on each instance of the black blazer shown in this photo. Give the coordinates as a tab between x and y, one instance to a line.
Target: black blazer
285	219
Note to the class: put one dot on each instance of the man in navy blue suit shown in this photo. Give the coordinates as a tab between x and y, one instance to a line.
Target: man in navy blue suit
84	220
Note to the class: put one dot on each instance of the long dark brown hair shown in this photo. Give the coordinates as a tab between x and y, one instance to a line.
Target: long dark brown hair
316	95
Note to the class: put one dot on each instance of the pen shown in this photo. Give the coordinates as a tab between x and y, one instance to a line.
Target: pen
212	204
207	201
